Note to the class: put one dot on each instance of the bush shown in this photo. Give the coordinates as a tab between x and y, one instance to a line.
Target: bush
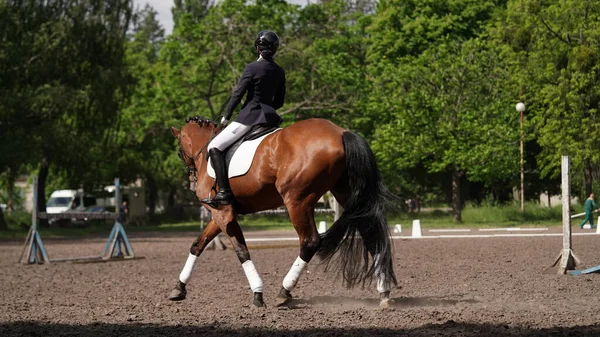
533	212
18	219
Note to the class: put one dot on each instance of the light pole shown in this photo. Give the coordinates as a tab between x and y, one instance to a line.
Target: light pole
521	108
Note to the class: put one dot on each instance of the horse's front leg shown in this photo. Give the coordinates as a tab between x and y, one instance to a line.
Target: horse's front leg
208	234
228	222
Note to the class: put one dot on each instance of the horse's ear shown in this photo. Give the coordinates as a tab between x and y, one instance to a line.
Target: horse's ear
175	132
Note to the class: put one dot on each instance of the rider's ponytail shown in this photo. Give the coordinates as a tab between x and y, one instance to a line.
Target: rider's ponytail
267	54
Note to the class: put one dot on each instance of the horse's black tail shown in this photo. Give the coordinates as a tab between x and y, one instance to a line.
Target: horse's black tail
365	213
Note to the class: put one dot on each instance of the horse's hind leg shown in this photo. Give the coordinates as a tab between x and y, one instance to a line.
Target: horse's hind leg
341	192
383	283
302	218
208	234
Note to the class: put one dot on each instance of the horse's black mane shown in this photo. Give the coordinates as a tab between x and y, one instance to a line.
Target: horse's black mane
200	121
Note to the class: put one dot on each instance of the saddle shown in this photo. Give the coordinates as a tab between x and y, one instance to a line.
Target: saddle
239	162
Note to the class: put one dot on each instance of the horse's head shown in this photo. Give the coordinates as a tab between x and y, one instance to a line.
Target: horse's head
193	140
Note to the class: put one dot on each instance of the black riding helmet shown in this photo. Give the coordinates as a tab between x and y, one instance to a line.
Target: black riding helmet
267	40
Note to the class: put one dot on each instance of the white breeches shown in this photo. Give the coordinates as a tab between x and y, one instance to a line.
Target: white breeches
229	135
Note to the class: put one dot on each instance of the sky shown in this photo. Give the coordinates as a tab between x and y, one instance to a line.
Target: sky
163	7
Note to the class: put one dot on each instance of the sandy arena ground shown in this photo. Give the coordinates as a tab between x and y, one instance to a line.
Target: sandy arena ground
447	287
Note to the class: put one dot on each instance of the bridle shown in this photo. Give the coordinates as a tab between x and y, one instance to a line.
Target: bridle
191	168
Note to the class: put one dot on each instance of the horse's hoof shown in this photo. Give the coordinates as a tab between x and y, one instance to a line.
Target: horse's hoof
284	297
258	300
178	294
384	300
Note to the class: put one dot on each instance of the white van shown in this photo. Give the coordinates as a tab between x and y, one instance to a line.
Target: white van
65	200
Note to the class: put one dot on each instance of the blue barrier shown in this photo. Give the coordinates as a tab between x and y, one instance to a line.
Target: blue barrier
117	246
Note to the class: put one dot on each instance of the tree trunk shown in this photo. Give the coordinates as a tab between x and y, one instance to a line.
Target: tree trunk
10	191
3	225
588	179
171	199
456	203
152	195
176	213
41	204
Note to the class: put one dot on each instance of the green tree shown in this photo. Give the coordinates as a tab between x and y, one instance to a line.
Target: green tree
403	38
558	42
195	10
409	27
143	141
327	66
63	79
450	112
206	58
148	33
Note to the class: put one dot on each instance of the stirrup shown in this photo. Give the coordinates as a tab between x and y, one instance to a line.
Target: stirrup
221	198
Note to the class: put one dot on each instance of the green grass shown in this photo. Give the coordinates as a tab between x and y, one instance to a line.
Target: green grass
473	216
487	216
248	223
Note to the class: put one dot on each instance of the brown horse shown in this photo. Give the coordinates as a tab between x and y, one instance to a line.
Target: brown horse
294	167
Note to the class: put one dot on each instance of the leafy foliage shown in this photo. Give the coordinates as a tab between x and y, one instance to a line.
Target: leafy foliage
89	88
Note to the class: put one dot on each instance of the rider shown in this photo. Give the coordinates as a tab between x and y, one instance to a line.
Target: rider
264	81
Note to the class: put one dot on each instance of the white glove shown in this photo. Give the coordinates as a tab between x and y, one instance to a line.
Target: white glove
224	121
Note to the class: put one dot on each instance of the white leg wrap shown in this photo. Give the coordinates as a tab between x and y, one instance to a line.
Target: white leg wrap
256	283
290	280
383	285
186	273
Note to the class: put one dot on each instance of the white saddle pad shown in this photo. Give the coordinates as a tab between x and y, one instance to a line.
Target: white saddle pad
242	158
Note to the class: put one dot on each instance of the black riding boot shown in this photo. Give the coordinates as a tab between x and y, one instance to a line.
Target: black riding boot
224	196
